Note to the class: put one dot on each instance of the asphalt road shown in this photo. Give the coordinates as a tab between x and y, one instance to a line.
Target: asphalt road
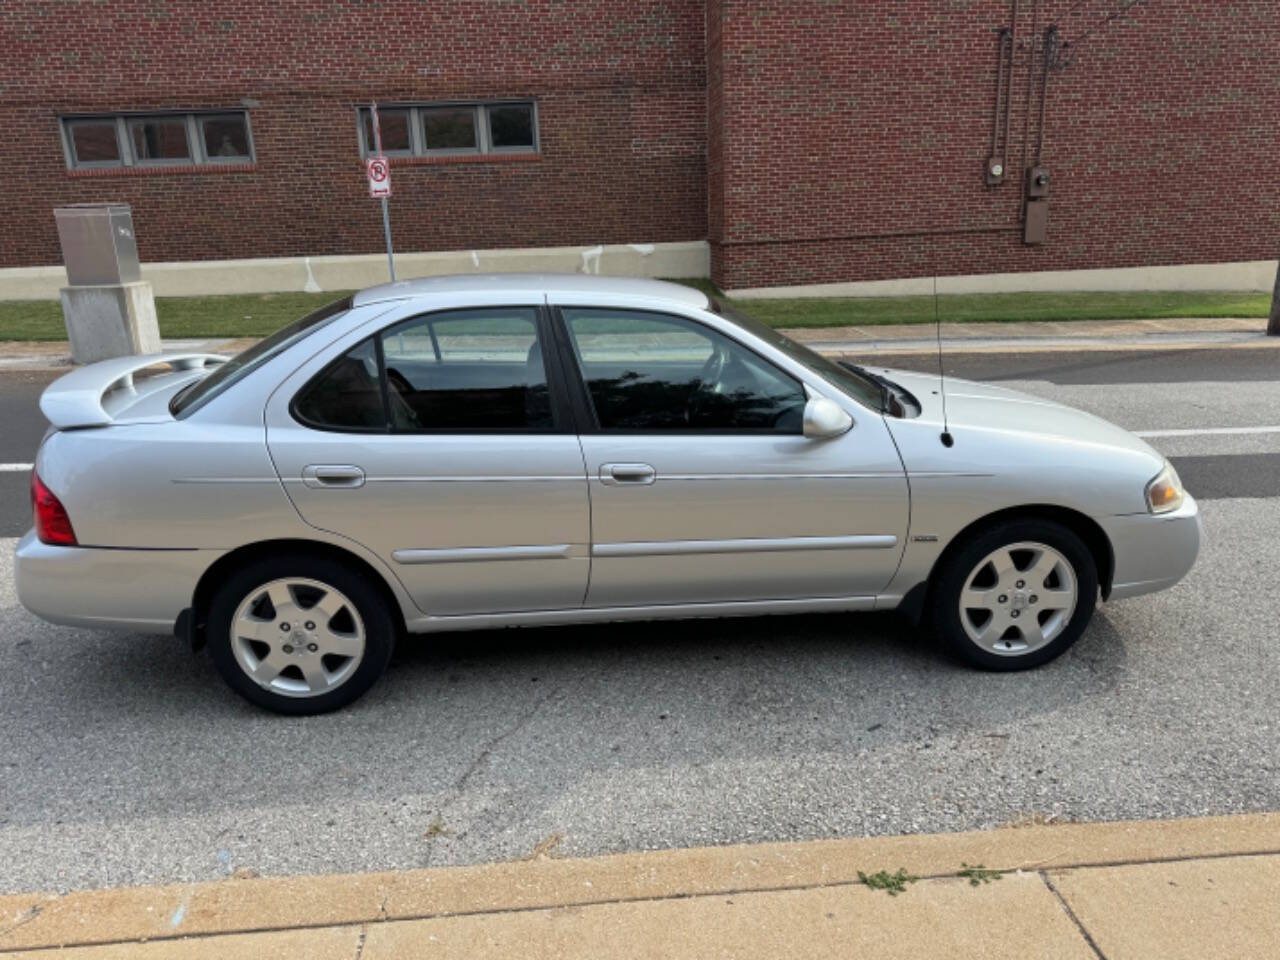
125	761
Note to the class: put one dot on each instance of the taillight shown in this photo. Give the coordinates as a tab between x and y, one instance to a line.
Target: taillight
52	523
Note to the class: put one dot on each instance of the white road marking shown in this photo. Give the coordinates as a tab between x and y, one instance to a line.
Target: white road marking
14	467
1205	432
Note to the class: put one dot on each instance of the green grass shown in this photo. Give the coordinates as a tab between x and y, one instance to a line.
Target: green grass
1005	307
254	315
237	315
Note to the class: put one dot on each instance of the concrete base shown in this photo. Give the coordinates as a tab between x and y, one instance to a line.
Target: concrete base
1248	276
114	320
692	258
198	278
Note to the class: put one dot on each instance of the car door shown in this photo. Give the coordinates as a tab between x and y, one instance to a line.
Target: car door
441	443
704	488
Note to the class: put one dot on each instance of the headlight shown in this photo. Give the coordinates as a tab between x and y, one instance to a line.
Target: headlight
1165	493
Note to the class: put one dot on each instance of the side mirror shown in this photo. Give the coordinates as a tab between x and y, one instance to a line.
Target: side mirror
824	419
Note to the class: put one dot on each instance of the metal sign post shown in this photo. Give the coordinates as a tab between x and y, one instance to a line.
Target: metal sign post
379	171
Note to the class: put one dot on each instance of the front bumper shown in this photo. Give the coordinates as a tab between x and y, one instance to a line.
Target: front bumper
1153	552
108	588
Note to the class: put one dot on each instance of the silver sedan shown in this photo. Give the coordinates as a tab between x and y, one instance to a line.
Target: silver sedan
475	452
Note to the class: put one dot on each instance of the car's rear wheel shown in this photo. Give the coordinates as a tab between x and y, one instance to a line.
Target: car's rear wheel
298	634
1016	595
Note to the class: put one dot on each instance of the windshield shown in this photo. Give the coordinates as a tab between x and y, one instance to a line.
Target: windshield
191	398
861	388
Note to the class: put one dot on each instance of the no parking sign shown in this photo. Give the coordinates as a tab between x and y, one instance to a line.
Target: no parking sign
379	173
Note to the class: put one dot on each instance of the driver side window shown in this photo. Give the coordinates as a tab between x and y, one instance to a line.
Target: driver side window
650	372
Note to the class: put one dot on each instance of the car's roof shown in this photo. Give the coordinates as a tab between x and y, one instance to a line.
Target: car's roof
549	284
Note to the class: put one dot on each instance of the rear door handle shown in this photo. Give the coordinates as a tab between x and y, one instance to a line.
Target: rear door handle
615	473
327	476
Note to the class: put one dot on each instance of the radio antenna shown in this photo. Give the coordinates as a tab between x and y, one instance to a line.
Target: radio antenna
947	439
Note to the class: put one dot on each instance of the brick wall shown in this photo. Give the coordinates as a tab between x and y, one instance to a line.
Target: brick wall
854	137
845	141
620	86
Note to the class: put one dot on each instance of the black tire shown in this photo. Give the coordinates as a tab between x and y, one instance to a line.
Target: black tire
379	630
945	612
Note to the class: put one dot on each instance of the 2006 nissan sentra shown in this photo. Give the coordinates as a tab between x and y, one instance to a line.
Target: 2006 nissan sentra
465	452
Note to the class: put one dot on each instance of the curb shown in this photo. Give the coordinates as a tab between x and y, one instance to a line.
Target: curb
1040	345
266	904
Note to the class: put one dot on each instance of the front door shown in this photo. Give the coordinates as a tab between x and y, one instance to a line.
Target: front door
438	444
703	487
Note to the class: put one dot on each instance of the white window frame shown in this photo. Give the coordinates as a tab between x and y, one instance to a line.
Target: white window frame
417	129
196	155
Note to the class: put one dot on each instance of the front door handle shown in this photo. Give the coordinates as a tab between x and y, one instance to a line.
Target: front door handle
329	476
615	473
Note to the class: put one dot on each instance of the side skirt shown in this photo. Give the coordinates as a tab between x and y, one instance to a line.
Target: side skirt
682	611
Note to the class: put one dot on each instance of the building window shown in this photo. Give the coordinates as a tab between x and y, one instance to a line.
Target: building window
397	130
159	140
156	140
447	129
225	137
93	142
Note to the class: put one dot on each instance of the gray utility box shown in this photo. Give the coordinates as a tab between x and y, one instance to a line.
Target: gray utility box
98	245
109	309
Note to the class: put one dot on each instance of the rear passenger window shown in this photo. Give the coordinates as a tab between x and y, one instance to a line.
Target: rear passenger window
468	370
346	395
461	370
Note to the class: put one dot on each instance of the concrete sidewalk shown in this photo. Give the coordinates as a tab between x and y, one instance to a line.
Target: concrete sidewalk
865	340
1201	888
1040	336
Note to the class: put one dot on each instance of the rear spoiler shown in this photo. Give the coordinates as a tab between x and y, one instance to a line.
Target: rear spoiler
90	396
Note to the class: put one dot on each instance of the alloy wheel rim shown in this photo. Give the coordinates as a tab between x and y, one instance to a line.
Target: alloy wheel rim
1018	598
297	637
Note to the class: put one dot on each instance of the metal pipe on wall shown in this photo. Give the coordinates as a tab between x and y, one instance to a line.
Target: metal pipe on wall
1031	76
1013	53
1050	44
1000	91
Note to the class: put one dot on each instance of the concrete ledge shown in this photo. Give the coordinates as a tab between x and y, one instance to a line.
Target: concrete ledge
685	259
316	274
1252	276
30	922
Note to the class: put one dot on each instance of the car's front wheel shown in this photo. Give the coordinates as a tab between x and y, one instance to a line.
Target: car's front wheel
298	634
1016	595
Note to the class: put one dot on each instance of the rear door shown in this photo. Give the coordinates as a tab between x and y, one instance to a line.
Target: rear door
703	487
444	444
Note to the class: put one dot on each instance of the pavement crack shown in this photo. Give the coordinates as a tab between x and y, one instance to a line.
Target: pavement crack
364	932
521	722
460	786
22	919
1088	937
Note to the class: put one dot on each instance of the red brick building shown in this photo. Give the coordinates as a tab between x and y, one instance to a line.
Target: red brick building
807	141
